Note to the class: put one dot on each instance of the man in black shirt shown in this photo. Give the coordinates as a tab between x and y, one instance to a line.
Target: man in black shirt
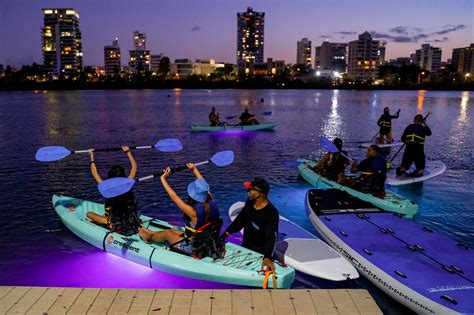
248	119
259	219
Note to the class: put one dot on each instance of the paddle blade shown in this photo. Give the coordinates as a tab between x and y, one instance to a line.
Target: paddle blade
169	145
327	144
267	113
52	153
116	186
230	117
223	158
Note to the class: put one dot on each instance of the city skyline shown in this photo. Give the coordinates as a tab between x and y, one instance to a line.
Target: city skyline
206	29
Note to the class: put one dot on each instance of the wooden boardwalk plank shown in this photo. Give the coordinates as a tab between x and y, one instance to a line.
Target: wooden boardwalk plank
343	302
65	301
46	301
4	291
123	301
302	302
84	301
142	303
11	298
103	301
323	302
364	302
27	301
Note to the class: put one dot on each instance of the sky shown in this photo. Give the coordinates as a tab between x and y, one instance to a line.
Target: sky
208	28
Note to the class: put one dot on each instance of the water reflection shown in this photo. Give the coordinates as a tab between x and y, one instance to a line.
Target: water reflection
421	99
332	126
463	107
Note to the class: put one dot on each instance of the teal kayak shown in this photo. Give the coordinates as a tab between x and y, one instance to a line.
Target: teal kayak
239	266
391	202
263	127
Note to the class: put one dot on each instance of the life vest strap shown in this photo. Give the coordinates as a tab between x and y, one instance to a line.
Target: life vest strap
269	272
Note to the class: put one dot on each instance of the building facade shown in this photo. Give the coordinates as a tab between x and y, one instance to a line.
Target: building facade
139	57
428	58
463	60
331	56
112	60
155	62
250	36
363	58
303	52
61	42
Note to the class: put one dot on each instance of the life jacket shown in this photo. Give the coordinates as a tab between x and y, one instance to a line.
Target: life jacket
373	181
201	218
385	121
414	138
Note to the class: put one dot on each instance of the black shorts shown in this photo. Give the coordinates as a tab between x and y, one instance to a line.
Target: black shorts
385	130
414	155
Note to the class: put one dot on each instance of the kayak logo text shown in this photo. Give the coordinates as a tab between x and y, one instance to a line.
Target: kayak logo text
111	240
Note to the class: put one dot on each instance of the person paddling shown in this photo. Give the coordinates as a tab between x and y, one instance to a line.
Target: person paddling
246	118
414	138
259	218
199	209
120	213
333	164
214	118
373	171
385	124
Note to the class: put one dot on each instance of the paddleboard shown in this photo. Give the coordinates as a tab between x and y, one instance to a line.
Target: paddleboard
381	145
422	269
432	169
305	252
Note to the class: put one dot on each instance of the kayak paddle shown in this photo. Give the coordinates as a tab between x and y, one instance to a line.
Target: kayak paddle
55	153
292	163
117	186
263	113
331	147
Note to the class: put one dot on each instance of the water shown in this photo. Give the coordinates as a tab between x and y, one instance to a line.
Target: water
37	250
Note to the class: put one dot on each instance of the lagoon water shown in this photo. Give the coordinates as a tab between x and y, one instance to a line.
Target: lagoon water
38	250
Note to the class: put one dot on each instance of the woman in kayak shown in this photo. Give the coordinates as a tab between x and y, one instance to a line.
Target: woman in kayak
333	164
120	214
199	210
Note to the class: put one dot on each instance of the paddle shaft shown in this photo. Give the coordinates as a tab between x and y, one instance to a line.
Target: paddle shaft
116	149
173	170
391	160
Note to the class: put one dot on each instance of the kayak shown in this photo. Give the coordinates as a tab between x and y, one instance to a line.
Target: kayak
432	169
381	145
305	252
391	202
260	127
420	268
239	266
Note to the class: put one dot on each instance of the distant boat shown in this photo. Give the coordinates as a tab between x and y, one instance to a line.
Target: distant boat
260	127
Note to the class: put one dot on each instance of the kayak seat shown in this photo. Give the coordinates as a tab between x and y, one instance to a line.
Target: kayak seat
206	242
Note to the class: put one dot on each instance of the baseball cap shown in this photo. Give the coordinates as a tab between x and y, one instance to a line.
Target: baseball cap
258	184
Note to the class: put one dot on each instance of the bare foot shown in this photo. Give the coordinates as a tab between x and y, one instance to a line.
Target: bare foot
145	234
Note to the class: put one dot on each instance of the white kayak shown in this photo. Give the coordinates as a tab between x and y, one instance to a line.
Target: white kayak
381	145
432	169
305	252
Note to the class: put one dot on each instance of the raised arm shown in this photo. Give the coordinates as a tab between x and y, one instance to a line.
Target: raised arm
133	164
196	172
187	209
94	171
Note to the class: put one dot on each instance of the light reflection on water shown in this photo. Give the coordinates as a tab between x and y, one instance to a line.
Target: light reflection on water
84	119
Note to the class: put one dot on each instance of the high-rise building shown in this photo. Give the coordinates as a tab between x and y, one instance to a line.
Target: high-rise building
463	60
364	58
331	56
62	42
250	36
155	63
428	58
112	61
139	56
303	52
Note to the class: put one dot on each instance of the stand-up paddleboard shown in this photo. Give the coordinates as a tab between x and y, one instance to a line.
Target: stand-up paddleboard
432	169
303	251
381	145
263	127
423	270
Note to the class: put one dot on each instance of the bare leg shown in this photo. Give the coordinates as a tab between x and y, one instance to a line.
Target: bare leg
170	235
97	218
389	137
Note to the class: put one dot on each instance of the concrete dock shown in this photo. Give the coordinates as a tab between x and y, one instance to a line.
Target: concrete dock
42	300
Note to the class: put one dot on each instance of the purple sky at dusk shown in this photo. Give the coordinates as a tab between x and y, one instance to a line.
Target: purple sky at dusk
207	28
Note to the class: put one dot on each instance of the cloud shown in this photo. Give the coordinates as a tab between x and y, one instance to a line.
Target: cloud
450	28
196	28
346	33
325	36
403	30
442	40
